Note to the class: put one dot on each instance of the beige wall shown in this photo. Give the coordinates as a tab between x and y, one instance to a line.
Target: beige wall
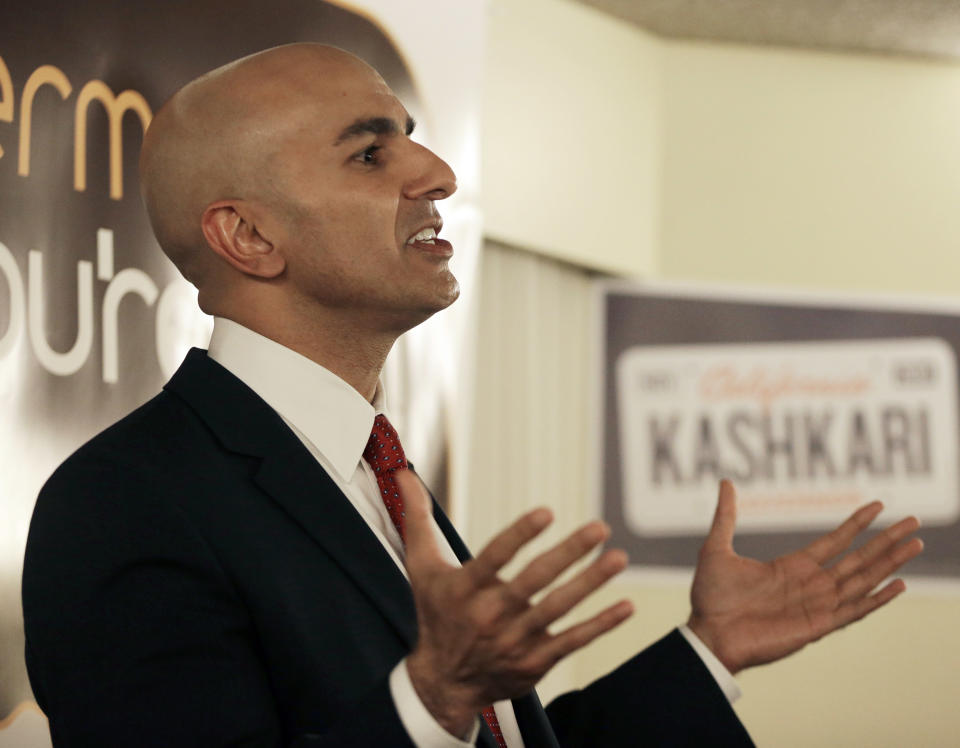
570	134
606	146
714	163
810	169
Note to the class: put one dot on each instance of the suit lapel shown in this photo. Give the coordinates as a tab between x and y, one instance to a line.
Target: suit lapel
460	549
533	721
295	481
291	476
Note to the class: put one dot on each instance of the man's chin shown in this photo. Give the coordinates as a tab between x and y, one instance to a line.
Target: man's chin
451	295
443	294
442	301
410	318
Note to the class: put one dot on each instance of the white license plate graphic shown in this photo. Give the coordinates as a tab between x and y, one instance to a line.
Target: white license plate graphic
807	431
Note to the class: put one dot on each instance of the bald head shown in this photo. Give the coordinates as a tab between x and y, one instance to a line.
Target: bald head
286	188
218	138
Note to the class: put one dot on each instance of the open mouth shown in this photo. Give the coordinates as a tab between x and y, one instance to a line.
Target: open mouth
424	236
427	241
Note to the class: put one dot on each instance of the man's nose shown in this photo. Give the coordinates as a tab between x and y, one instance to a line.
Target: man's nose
432	177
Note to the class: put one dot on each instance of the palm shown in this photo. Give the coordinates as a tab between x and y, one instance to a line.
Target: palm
480	638
750	612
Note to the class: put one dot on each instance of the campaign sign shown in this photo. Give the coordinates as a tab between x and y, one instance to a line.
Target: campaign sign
812	407
803	429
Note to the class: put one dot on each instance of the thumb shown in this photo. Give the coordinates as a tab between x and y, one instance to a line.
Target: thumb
721	532
418	521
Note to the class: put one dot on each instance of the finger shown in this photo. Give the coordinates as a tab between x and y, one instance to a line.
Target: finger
837	541
860	583
721	532
498	552
421	543
858	609
867	553
548	566
582	634
561	600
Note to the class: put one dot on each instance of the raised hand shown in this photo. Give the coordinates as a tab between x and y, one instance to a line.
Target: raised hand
480	637
749	613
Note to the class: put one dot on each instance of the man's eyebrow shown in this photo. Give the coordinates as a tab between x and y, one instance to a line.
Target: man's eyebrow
374	126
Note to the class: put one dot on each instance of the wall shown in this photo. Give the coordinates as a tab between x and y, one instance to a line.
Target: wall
824	171
570	134
810	169
736	165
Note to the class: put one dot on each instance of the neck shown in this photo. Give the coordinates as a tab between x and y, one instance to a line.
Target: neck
354	354
356	359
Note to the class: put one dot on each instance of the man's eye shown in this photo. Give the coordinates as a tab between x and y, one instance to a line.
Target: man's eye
369	155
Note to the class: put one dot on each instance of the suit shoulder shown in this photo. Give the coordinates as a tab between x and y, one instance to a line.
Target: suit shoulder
143	464
145	441
127	489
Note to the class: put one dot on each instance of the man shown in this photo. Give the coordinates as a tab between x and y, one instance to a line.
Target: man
226	565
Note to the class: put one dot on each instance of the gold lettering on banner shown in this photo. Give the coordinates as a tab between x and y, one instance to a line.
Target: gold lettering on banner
6	96
42	76
116	106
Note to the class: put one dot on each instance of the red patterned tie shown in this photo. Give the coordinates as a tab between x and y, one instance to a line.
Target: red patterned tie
491	718
385	455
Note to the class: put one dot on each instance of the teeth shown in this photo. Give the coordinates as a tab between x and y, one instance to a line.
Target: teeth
426	236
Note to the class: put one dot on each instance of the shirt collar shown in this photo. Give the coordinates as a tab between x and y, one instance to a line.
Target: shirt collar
326	410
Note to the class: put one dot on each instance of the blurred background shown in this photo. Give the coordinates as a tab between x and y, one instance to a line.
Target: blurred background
781	145
793	144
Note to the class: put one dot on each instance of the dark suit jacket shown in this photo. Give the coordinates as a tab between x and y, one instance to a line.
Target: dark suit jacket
194	578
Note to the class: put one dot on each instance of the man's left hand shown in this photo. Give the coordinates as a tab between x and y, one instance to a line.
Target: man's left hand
749	613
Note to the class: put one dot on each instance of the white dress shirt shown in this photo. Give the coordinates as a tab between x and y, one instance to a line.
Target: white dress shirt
334	422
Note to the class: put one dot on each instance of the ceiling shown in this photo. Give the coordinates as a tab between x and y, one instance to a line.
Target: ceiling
925	28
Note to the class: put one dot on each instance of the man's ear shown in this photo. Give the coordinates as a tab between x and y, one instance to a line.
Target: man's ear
231	234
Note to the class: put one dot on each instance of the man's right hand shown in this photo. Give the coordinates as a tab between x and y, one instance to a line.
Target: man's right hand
480	637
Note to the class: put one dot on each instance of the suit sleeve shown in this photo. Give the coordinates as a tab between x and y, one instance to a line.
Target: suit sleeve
136	635
664	696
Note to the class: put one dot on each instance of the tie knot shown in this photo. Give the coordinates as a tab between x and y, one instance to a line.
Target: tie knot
384	451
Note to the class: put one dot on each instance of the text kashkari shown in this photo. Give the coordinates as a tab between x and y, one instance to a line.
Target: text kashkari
804	429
